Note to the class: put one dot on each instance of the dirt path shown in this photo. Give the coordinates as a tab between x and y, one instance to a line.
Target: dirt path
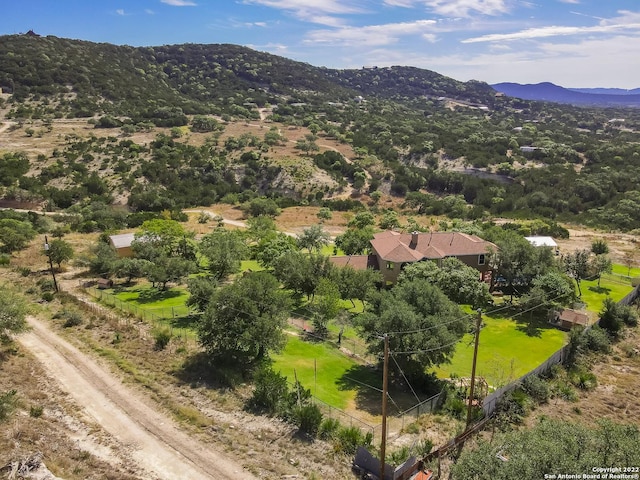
150	437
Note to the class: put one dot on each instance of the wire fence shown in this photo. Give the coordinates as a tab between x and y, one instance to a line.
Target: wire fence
491	401
351	346
158	318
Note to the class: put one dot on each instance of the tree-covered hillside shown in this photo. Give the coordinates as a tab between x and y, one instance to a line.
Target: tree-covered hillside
445	147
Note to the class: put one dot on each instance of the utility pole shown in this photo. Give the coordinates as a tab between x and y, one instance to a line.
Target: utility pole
46	249
385	381
473	368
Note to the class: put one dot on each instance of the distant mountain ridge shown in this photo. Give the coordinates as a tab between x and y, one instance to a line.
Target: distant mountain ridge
608	91
550	92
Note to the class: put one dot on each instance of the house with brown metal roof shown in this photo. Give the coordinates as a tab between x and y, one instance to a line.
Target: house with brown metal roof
391	251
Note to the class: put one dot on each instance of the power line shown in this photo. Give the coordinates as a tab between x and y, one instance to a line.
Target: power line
405	378
428	350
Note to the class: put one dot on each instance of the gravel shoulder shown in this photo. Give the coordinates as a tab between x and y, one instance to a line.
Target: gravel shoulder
149	437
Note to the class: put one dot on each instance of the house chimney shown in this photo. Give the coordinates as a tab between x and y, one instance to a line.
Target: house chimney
414	240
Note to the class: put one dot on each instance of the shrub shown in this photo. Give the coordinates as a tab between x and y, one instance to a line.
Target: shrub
308	419
72	319
8	402
328	428
270	391
537	388
162	338
454	406
412	428
5	259
35	411
399	456
583	380
514	406
597	340
565	391
628	316
348	439
48	296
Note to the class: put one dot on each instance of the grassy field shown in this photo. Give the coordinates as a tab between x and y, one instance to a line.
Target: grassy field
610	285
319	367
508	349
167	303
625	271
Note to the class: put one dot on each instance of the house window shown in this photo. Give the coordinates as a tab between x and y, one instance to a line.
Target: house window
390	265
481	259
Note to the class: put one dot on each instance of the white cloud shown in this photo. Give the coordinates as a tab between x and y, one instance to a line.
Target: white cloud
372	35
120	12
466	8
399	3
179	3
606	62
552	31
570	1
314	11
148	11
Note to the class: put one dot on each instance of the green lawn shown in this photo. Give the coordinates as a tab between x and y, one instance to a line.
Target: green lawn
624	270
319	367
610	285
167	303
507	350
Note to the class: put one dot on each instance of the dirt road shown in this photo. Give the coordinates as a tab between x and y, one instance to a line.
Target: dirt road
151	439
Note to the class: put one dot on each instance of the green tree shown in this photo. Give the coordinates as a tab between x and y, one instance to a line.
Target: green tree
131	268
59	251
244	320
165	270
355	241
201	123
359	180
601	264
260	227
273	137
427	322
13	311
515	262
550	447
103	259
272	247
389	220
307	144
325	305
263	206
548	290
313	238
459	282
163	234
576	265
201	290
224	250
302	272
362	220
15	234
356	284
324	214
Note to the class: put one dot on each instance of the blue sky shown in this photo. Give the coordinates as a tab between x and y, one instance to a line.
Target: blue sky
574	43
